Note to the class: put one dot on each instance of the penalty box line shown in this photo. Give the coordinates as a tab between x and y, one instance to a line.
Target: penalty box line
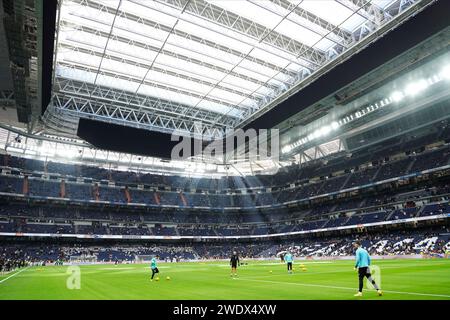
346	288
14	274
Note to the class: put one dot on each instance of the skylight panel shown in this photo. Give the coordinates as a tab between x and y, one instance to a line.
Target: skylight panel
152	91
146	39
264	91
123	68
198	56
316	28
147	12
233	86
80	21
206	32
328	10
270	57
141	29
247	102
282	77
188	72
242	83
75	74
324	44
171	81
296	32
114	81
239	36
215	107
129	52
228	96
252	74
250	11
89	13
177	63
109	3
296	68
383	3
353	22
256	67
79	58
202	49
83	40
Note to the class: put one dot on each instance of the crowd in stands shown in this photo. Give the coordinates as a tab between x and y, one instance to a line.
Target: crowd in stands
20	218
11	259
430	242
405	242
321	177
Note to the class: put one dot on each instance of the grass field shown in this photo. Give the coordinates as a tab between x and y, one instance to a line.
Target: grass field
323	280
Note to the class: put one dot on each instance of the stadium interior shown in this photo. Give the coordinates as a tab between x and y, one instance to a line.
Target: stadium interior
92	91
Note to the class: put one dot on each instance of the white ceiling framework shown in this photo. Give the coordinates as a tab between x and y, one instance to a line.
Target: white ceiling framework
167	65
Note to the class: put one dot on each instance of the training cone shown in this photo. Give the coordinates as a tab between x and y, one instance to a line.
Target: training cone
270	271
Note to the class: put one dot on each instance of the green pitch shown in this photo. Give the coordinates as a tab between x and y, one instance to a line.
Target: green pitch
400	280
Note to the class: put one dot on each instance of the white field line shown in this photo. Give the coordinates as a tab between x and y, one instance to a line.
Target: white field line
346	288
14	274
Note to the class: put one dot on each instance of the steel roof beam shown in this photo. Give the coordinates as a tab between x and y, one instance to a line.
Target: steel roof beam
91	109
251	29
140	102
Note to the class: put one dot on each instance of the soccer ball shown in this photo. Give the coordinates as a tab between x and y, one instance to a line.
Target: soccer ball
167	278
157	278
303	269
270	271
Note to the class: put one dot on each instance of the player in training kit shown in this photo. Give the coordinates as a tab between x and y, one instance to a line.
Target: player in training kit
363	267
154	267
234	261
289	259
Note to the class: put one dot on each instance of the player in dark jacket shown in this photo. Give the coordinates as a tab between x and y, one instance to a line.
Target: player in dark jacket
234	262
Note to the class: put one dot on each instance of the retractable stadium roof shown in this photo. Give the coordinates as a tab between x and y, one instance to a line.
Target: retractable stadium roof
201	67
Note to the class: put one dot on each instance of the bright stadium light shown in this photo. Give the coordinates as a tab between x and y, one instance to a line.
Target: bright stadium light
316	134
324	130
397	96
416	87
334	125
286	149
445	73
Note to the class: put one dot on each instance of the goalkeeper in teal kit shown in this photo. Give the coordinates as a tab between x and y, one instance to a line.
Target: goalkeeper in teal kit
362	265
154	267
288	259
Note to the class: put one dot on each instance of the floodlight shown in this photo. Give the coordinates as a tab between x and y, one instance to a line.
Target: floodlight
316	133
334	125
445	73
416	87
286	149
325	130
397	96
